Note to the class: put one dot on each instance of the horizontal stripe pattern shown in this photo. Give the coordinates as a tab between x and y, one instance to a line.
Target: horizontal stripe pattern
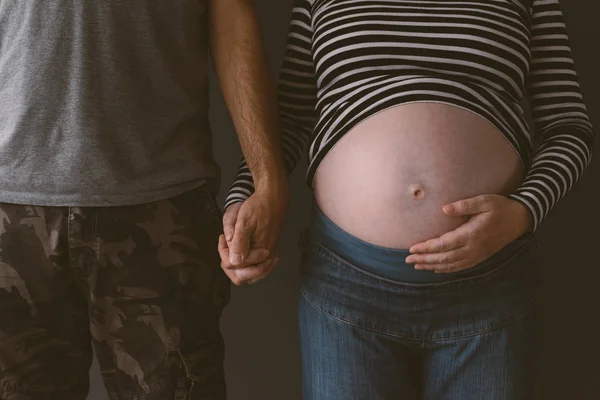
346	60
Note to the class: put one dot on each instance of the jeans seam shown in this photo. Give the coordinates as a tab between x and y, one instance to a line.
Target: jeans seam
69	252
95	237
336	258
346	322
92	266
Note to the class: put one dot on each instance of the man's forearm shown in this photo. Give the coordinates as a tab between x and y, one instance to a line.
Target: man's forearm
247	86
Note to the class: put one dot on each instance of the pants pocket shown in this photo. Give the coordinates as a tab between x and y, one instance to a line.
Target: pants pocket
203	366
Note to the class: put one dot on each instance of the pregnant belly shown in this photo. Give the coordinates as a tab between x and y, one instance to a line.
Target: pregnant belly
387	180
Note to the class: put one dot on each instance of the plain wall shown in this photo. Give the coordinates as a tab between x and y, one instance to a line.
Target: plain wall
259	325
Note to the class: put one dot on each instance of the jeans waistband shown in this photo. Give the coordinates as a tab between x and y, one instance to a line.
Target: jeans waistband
390	263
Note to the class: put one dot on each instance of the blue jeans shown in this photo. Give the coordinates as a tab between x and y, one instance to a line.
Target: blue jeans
373	328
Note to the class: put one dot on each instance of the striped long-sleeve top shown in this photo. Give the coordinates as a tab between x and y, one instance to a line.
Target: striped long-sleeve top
346	60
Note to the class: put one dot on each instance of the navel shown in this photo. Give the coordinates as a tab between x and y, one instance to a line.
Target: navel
417	191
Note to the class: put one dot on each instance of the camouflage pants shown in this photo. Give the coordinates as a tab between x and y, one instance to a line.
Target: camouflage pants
141	285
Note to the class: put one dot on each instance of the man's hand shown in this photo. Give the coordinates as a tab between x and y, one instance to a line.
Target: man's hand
248	249
494	222
257	266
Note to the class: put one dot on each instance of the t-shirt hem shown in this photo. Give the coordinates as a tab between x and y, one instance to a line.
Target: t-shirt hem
100	200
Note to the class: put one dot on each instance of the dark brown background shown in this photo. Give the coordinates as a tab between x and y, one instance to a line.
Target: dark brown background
260	324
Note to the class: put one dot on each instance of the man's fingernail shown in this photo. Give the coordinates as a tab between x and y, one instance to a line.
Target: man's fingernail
235	258
228	235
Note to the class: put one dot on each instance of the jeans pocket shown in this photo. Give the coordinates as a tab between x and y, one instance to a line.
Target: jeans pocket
202	358
212	202
203	361
204	198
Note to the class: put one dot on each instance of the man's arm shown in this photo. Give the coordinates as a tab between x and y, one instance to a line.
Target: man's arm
248	88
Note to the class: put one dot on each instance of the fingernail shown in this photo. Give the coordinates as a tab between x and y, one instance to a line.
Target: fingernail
235	258
228	235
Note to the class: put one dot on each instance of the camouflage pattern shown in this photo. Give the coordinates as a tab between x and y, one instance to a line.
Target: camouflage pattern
142	284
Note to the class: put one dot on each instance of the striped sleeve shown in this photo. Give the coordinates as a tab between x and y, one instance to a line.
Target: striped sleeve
559	115
297	98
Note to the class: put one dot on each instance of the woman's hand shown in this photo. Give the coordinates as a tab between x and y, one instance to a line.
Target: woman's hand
494	222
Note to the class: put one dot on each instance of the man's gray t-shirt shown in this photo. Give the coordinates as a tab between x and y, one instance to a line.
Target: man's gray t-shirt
103	102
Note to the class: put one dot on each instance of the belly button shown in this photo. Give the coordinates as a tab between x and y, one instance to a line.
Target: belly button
417	191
